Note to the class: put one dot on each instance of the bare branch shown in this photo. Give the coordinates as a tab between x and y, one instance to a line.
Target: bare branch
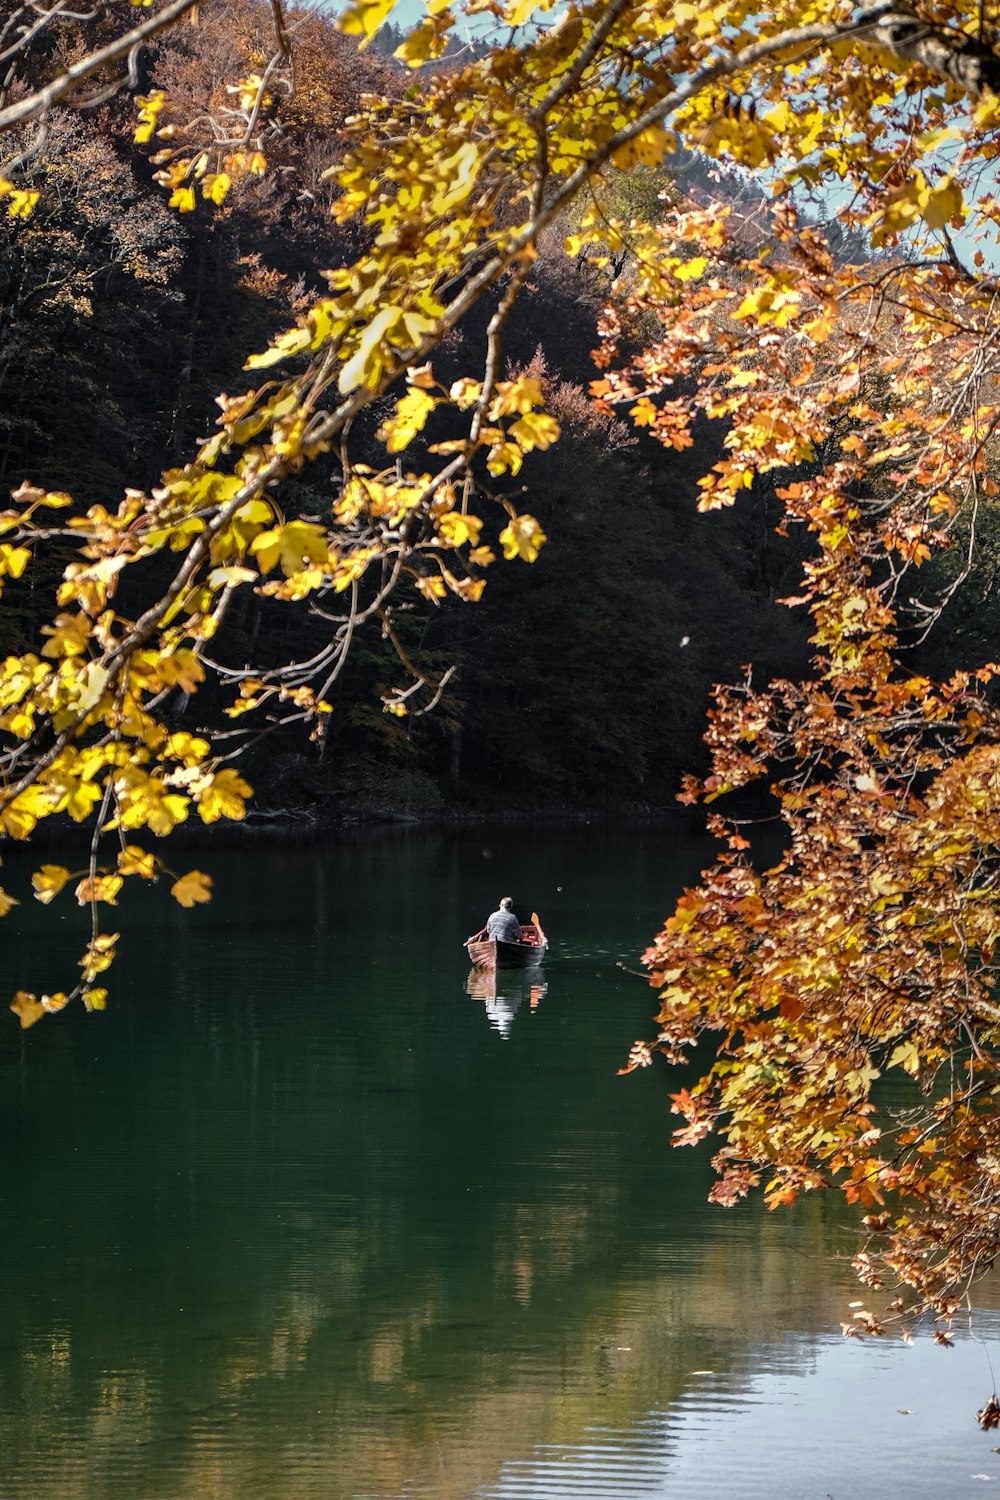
38	103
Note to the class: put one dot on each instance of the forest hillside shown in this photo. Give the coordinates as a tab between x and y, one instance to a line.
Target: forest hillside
579	683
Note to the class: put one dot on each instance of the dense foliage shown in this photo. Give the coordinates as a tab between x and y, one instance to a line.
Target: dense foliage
113	368
423	255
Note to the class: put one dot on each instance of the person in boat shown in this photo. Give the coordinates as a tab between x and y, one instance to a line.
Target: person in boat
502	925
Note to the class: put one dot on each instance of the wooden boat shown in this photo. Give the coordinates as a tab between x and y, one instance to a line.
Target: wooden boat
488	953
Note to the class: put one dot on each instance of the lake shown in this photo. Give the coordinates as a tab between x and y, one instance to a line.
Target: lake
299	1216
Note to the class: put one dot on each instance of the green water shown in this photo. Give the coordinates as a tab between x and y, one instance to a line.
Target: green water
301	1217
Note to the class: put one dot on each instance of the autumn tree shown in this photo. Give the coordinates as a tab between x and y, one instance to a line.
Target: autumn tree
868	950
839	329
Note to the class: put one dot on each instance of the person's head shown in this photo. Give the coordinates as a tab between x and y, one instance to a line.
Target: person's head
506	903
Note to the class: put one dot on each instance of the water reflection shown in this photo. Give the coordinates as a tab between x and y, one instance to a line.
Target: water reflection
291	1224
777	1432
503	991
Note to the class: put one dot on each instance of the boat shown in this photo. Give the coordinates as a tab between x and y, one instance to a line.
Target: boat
488	953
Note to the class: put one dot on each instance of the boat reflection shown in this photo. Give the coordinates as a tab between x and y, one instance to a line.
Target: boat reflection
503	991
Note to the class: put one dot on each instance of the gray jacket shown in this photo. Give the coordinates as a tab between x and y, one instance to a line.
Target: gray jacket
503	926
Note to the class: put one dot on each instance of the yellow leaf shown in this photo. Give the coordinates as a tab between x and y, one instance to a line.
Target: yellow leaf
780	118
89	686
150	106
899	209
192	888
365	17
99	888
535	430
132	860
521	395
181	669
13	560
465	392
818	329
27	1009
216	186
906	1056
647	149
100	954
457	529
69	635
286	344
249	90
20	201
48	882
80	799
944	205
17	820
459	172
19	817
20	721
469	589
413	326
523	538
421	44
190	748
153	806
254	513
690	270
412	412
987	112
432	587
503	456
89	584
294	545
367	363
232	577
223	797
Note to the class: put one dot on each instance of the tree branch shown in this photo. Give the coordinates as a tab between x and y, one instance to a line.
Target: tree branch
43	99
